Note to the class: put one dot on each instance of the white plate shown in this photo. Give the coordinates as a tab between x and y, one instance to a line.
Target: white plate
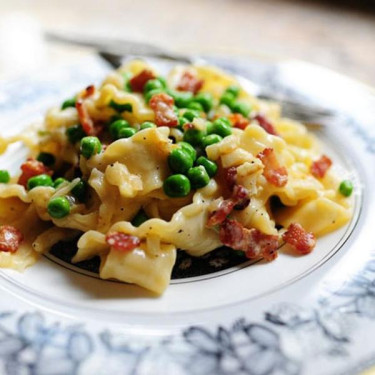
295	315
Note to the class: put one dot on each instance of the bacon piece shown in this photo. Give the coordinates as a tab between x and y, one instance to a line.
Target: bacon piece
265	124
252	241
240	197
189	82
137	83
238	201
31	168
10	238
84	118
230	175
162	105
188	126
320	167
273	172
89	91
238	121
301	240
220	214
122	242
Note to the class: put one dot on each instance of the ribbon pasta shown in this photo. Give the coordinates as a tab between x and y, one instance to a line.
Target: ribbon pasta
128	176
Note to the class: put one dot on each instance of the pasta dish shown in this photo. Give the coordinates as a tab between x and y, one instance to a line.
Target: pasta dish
145	166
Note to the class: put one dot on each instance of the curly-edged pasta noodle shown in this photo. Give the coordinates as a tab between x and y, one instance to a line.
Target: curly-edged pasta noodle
128	175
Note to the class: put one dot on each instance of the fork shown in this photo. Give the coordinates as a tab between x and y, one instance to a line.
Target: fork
114	50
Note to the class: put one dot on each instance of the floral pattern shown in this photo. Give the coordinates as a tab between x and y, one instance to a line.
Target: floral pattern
279	345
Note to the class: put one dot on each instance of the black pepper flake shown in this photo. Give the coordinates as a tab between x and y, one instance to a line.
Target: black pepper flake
111	165
180	231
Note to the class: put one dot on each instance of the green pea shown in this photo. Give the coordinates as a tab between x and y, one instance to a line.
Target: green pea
228	99
90	146
126	132
182	121
209	127
224	120
163	81
121	107
243	108
153	84
139	218
194	136
115	127
75	133
196	106
128	86
176	186
211	139
59	181
205	99
58	207
151	93
187	147
181	98
127	76
69	103
222	127
179	161
191	114
4	176
346	188
79	191
40	180
233	90
176	110
147	125
198	177
209	165
46	158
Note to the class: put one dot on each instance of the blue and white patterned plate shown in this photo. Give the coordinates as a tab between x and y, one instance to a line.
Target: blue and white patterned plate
297	315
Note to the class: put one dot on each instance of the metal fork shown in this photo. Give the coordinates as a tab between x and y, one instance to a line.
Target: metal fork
114	50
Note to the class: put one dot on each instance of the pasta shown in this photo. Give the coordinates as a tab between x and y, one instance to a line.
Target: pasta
142	167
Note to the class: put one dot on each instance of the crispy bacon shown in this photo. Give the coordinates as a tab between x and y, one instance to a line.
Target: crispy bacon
137	83
31	168
230	176
85	119
238	121
301	240
88	91
162	105
122	242
188	126
10	238
220	214
189	82
238	201
240	197
252	241
265	124
273	172
320	167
